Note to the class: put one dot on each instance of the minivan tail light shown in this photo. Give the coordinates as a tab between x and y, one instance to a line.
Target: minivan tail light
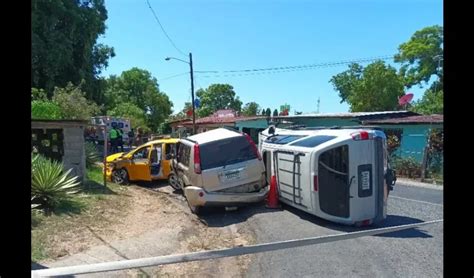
315	183
197	159
360	135
254	147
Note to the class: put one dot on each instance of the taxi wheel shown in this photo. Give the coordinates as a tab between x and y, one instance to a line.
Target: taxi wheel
120	176
173	182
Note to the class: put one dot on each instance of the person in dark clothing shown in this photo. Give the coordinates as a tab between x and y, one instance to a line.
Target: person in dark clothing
131	137
113	136
120	139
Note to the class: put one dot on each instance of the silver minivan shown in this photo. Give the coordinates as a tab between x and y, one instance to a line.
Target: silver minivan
221	167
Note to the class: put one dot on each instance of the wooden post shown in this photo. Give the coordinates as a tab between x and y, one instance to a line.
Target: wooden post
105	156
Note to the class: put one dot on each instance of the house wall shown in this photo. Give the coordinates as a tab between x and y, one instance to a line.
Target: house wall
414	139
74	156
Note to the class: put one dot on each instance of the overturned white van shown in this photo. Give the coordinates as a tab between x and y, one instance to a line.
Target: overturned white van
338	174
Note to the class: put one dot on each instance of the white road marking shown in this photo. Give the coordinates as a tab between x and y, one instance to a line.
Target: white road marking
415	200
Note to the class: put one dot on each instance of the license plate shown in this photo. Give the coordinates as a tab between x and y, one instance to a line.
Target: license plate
232	175
365	175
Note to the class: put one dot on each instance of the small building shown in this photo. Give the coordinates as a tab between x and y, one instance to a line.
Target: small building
221	118
412	128
61	140
413	132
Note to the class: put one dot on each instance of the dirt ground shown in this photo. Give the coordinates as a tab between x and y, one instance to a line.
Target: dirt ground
137	222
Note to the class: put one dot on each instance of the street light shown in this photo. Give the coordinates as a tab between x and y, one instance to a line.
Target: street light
190	63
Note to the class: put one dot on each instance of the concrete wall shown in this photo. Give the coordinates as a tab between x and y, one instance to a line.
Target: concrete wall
74	151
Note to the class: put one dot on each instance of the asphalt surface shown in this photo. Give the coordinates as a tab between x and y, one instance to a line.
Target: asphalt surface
409	253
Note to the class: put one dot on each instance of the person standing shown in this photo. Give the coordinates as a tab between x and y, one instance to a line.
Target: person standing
113	136
119	138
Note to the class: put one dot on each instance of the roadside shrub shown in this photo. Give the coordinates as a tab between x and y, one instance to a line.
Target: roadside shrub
407	167
92	155
45	110
49	184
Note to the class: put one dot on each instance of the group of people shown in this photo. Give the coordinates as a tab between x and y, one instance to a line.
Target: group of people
116	138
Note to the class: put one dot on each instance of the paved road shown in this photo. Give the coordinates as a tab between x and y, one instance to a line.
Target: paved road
409	253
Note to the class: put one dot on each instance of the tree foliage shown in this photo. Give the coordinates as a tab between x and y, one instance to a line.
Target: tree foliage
376	87
431	103
64	49
251	109
275	112
268	112
216	97
45	110
73	103
130	111
138	87
417	56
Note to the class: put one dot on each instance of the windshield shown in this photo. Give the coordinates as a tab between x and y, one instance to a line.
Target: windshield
224	152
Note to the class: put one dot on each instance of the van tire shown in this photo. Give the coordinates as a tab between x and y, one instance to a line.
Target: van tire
120	176
173	182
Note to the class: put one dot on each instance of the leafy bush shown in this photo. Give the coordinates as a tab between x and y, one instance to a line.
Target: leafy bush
73	103
92	155
49	184
44	109
407	167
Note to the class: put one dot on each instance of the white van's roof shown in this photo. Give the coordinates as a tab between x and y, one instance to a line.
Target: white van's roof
328	131
213	135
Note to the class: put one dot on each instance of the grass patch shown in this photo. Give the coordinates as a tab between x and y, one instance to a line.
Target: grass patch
95	206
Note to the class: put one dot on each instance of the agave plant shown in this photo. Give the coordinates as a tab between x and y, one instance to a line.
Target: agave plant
92	155
49	184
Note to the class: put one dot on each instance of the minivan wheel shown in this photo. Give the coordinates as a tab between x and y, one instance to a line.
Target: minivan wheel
120	176
173	182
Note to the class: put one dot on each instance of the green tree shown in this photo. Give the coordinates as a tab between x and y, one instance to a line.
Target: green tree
131	111
268	112
73	103
138	87
216	97
417	56
376	87
250	109
275	112
430	103
45	109
264	112
63	44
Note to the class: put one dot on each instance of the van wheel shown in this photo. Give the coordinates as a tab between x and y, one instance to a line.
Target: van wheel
173	182
120	176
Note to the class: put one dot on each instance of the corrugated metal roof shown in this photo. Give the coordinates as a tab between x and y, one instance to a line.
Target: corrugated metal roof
345	114
420	119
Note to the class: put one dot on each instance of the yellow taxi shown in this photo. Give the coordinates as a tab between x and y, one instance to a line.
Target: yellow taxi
148	162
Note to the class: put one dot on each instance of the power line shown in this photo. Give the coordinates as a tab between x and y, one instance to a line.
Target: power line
273	70
166	34
173	76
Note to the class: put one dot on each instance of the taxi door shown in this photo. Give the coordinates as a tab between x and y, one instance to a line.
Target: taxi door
139	168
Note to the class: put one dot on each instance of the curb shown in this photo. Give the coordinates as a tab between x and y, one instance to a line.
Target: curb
407	182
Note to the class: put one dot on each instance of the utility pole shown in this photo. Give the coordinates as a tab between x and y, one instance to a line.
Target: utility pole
192	90
318	106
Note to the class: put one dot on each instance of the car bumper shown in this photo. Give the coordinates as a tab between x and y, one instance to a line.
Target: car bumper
197	196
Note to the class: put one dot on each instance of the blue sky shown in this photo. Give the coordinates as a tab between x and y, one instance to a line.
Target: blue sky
234	35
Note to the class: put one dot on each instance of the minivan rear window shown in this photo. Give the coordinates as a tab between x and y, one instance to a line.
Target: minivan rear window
225	152
313	141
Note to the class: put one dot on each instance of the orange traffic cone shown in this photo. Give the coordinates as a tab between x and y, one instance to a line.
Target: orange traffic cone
272	197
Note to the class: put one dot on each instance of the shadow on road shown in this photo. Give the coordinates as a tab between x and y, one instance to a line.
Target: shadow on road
390	221
219	217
